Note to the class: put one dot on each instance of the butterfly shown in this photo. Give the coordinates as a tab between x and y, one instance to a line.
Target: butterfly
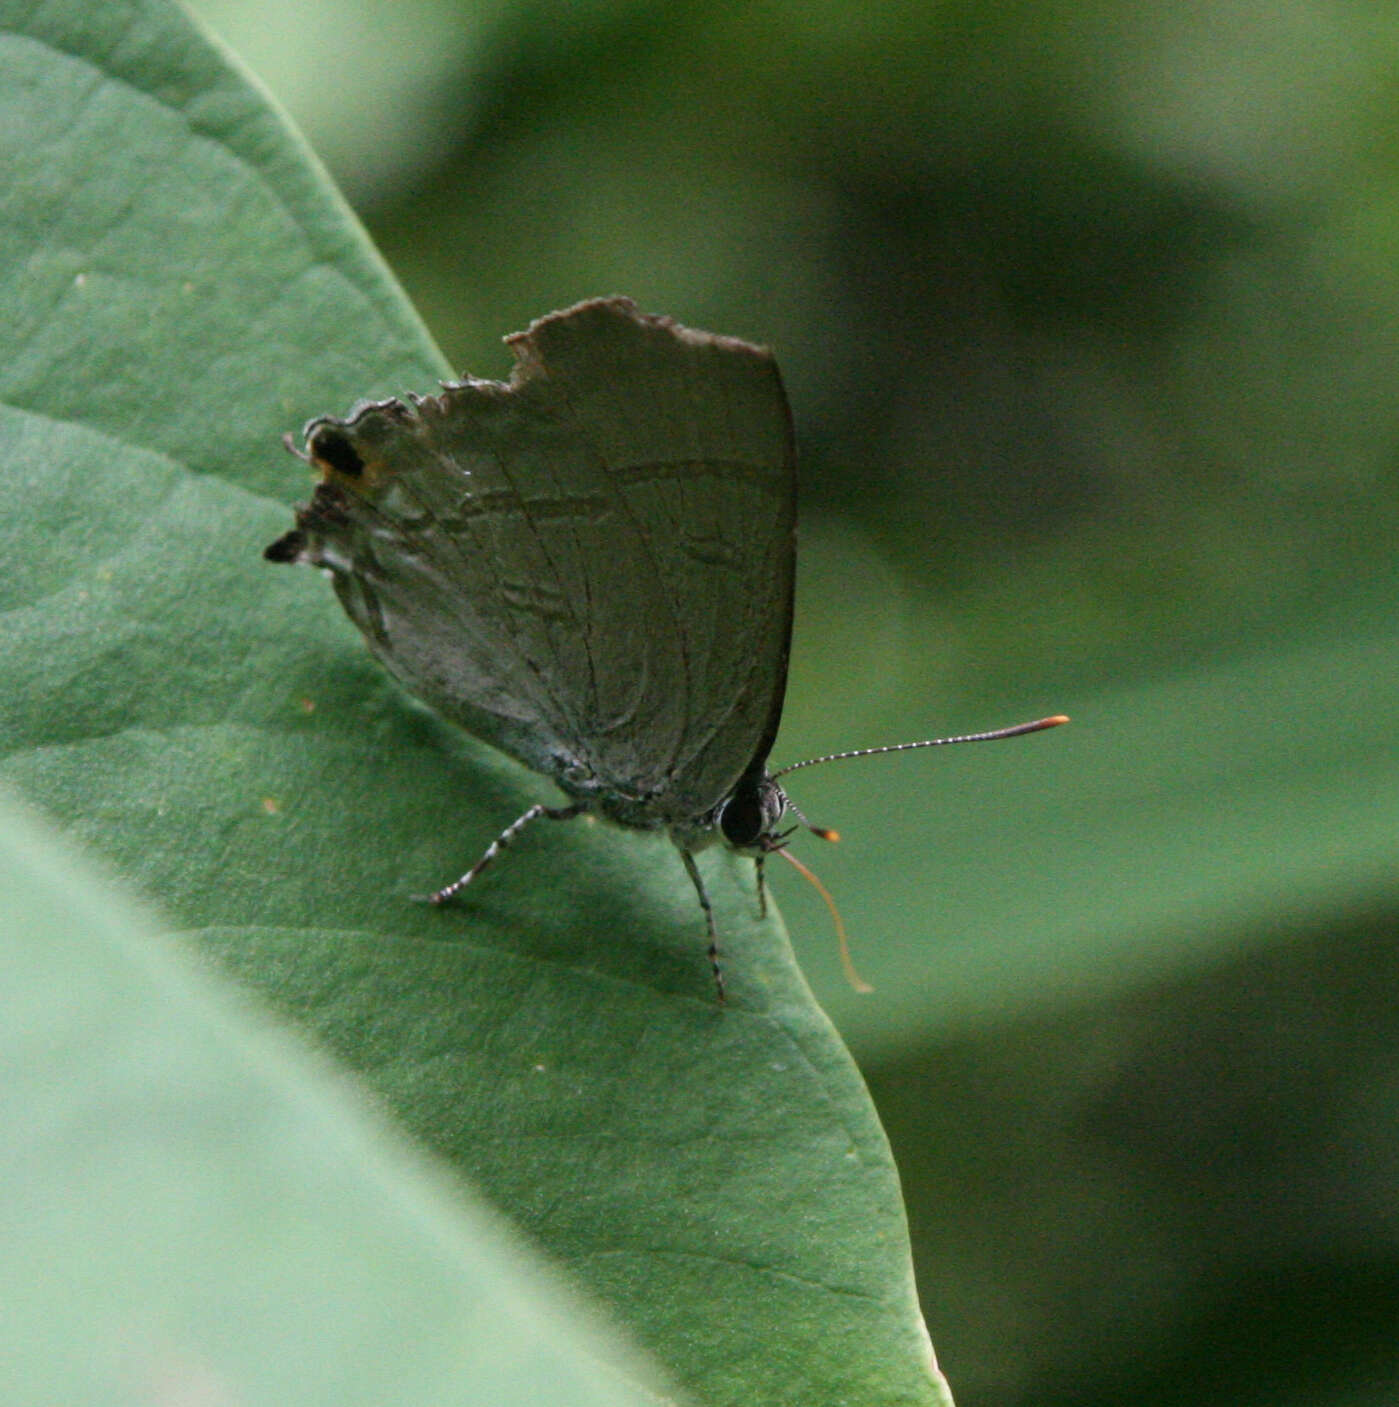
590	567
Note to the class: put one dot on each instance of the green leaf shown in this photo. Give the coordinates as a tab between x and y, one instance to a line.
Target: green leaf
196	1209
183	287
1173	825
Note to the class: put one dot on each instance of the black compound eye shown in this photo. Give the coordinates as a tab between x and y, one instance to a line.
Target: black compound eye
333	448
741	820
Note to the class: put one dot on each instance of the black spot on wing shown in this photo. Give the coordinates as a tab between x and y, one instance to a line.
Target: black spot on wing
287	548
331	447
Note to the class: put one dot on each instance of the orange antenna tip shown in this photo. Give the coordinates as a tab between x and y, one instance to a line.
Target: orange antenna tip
825	832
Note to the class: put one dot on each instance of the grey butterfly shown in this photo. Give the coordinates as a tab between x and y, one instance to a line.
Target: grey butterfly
589	566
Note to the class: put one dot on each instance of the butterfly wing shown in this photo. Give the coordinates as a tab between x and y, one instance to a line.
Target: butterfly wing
591	566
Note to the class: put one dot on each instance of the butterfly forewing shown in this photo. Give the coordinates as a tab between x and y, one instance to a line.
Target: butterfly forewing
693	586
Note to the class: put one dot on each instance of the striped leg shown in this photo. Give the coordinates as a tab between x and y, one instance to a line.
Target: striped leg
762	885
448	892
693	871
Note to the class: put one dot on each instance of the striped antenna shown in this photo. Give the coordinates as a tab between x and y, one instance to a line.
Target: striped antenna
1036	727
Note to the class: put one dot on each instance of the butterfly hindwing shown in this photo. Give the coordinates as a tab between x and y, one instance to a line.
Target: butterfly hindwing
589	566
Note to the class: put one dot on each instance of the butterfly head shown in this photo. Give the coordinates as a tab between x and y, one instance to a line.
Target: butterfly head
748	818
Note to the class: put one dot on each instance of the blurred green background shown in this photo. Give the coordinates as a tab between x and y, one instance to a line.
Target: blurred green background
1089	315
